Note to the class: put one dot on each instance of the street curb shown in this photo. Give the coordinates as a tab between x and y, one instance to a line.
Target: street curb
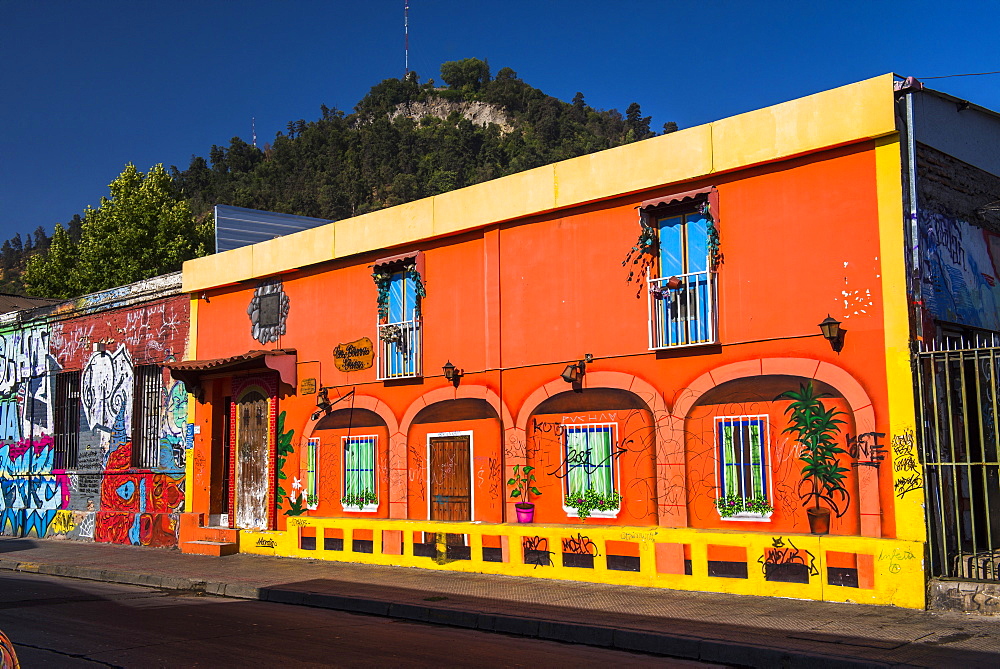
632	640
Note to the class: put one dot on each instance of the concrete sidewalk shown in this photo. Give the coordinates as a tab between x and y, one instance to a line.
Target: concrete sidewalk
727	629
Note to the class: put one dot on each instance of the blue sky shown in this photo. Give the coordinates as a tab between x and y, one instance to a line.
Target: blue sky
90	85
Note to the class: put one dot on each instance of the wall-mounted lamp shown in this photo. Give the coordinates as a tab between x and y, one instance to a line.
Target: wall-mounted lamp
322	403
830	328
573	374
452	373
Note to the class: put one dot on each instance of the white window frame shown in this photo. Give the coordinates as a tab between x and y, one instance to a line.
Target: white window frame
663	330
615	473
765	465
367	508
311	487
472	467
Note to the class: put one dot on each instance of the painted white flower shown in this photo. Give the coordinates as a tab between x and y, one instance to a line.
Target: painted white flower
296	483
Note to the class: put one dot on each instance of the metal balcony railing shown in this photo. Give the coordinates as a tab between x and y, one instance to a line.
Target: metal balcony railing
682	310
399	350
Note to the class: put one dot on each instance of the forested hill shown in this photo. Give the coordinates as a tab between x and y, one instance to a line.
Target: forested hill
406	140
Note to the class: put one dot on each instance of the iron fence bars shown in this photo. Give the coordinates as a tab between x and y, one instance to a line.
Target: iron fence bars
682	310
399	350
66	432
957	402
147	394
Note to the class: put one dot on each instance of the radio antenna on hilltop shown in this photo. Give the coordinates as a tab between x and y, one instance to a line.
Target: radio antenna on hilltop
406	35
253	130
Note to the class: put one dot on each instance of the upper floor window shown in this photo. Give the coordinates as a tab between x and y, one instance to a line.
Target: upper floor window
591	481
744	477
681	277
146	400
400	290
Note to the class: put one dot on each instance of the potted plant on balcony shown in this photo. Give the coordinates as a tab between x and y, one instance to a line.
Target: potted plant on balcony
521	483
815	427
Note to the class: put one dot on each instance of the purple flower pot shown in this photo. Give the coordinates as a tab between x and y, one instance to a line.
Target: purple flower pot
525	512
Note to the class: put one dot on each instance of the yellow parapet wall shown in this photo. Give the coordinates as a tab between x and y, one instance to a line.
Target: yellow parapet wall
851	113
890	571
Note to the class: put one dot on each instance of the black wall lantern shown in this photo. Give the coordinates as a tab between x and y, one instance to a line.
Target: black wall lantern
574	372
452	373
830	328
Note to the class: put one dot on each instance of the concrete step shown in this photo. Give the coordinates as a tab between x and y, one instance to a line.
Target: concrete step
213	548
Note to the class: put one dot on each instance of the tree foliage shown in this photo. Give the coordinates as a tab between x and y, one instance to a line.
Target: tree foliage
144	229
384	153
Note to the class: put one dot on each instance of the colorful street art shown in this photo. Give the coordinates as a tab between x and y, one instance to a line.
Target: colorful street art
97	495
961	283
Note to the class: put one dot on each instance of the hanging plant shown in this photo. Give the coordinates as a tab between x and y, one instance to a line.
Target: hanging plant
411	269
393	334
642	255
382	281
714	254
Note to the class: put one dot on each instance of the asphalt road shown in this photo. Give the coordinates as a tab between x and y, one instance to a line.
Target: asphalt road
62	622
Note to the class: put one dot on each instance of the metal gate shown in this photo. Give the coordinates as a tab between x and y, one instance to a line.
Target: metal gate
957	403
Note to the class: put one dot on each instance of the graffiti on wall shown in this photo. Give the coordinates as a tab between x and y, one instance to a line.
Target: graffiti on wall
960	280
31	491
905	464
102	496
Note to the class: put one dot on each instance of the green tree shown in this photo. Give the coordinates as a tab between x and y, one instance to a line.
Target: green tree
53	273
143	230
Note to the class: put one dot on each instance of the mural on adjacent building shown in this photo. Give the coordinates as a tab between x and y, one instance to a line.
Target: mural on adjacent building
89	487
961	283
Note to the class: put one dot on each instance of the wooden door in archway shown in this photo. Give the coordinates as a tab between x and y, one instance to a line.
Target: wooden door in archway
253	475
450	479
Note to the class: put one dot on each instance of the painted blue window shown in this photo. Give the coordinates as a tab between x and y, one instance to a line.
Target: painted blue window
399	334
683	313
402	298
742	455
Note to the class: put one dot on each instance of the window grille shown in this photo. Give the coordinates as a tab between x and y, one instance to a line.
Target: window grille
67	420
146	401
360	492
589	458
742	444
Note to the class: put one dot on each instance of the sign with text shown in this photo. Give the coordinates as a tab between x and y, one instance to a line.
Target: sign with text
307	387
355	355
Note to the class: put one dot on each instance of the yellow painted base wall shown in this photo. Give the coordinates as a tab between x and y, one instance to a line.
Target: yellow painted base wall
896	574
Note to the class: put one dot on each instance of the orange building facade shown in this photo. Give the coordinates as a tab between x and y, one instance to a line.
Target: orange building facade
636	329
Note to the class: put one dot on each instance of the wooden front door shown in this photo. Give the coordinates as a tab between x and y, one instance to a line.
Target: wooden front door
451	479
252	462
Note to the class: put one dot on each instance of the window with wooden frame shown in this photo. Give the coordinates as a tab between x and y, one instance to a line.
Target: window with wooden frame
147	398
66	432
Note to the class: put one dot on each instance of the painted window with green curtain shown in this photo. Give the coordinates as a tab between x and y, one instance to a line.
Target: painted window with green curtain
742	455
589	458
360	492
312	486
